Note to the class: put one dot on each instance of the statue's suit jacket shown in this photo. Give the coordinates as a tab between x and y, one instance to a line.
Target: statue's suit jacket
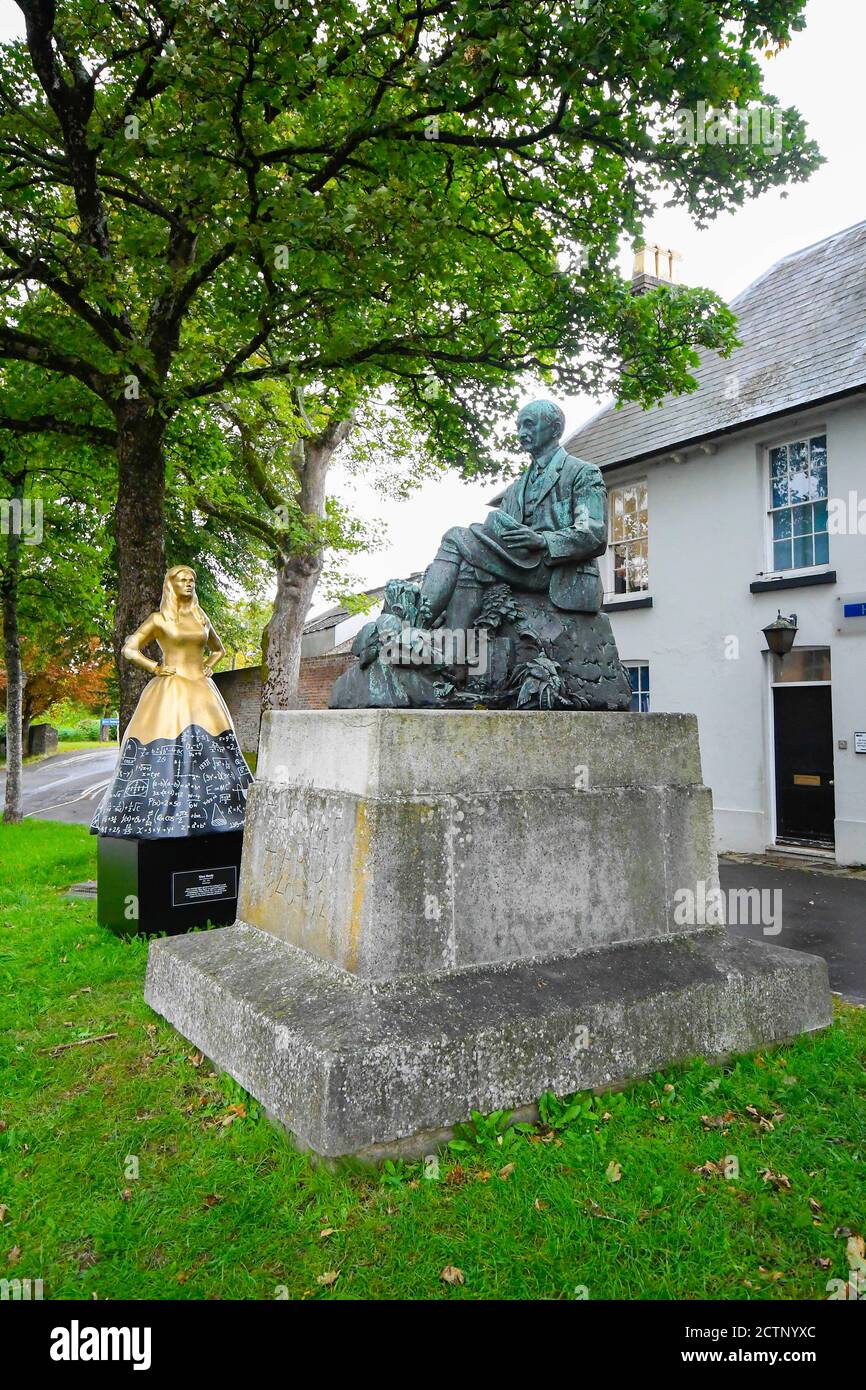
571	511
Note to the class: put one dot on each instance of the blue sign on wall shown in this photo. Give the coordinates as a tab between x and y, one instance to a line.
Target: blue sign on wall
854	610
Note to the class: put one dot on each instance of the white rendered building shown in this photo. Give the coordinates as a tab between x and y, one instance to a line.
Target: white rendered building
743	498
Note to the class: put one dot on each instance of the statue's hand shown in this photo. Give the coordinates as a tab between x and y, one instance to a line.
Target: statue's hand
162	670
522	537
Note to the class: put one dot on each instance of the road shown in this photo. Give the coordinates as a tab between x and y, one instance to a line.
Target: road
820	914
66	786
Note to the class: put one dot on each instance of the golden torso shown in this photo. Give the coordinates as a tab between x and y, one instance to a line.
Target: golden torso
183	645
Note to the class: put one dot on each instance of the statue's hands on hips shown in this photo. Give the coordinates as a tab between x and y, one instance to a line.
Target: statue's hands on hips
162	670
522	537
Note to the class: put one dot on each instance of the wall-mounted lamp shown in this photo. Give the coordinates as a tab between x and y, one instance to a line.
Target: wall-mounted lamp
780	634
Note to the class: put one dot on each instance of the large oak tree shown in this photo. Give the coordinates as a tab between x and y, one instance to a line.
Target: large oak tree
426	193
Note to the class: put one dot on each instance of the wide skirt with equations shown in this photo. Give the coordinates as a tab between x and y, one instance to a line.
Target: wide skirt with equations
181	771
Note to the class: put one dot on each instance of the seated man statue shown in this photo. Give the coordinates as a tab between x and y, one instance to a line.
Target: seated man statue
526	579
543	534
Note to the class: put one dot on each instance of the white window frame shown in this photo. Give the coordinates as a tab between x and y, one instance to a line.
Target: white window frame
610	596
642	666
805	570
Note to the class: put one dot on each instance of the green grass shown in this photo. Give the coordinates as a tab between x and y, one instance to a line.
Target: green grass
223	1208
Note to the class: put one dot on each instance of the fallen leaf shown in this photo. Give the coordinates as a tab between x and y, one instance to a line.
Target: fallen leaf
329	1277
669	1089
328	1231
126	1194
765	1122
234	1112
773	1275
196	1059
815	1206
719	1121
823	1264
779	1180
843	1232
613	1171
14	1255
484	1176
452	1275
3	1212
506	1171
711	1169
539	1205
211	1200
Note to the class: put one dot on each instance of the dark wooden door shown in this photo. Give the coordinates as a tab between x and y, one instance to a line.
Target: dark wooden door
805	799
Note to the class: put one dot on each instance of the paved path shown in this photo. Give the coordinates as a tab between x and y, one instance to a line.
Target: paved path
822	914
66	786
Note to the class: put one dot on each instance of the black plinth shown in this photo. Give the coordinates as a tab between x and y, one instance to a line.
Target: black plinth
147	886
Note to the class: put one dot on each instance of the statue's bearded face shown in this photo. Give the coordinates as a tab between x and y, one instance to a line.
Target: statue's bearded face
536	429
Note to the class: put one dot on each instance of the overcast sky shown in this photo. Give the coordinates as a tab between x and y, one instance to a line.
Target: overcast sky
822	73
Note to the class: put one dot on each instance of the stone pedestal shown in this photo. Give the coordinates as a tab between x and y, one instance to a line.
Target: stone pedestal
446	911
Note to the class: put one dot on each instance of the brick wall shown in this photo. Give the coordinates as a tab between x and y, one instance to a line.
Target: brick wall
242	692
318	674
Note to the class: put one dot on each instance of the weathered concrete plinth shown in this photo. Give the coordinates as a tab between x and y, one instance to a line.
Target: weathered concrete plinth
443	912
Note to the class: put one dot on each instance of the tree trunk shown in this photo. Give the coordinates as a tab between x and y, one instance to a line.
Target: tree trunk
14	670
297	578
139	536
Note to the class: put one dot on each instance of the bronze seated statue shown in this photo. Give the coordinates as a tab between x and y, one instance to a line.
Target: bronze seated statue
508	613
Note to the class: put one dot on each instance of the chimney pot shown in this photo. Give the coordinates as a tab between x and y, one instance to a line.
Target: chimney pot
653	265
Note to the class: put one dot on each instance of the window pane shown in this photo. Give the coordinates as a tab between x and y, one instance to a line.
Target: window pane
639	679
779	477
798	472
616	516
782	524
782	555
803	552
803	664
818	447
802	520
820	511
638	576
822	548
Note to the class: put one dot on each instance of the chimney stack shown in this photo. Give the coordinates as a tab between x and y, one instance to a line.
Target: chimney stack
653	265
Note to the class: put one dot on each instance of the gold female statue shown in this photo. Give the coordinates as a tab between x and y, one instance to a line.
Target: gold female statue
180	771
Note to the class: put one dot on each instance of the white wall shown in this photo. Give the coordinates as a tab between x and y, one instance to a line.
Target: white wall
707	519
